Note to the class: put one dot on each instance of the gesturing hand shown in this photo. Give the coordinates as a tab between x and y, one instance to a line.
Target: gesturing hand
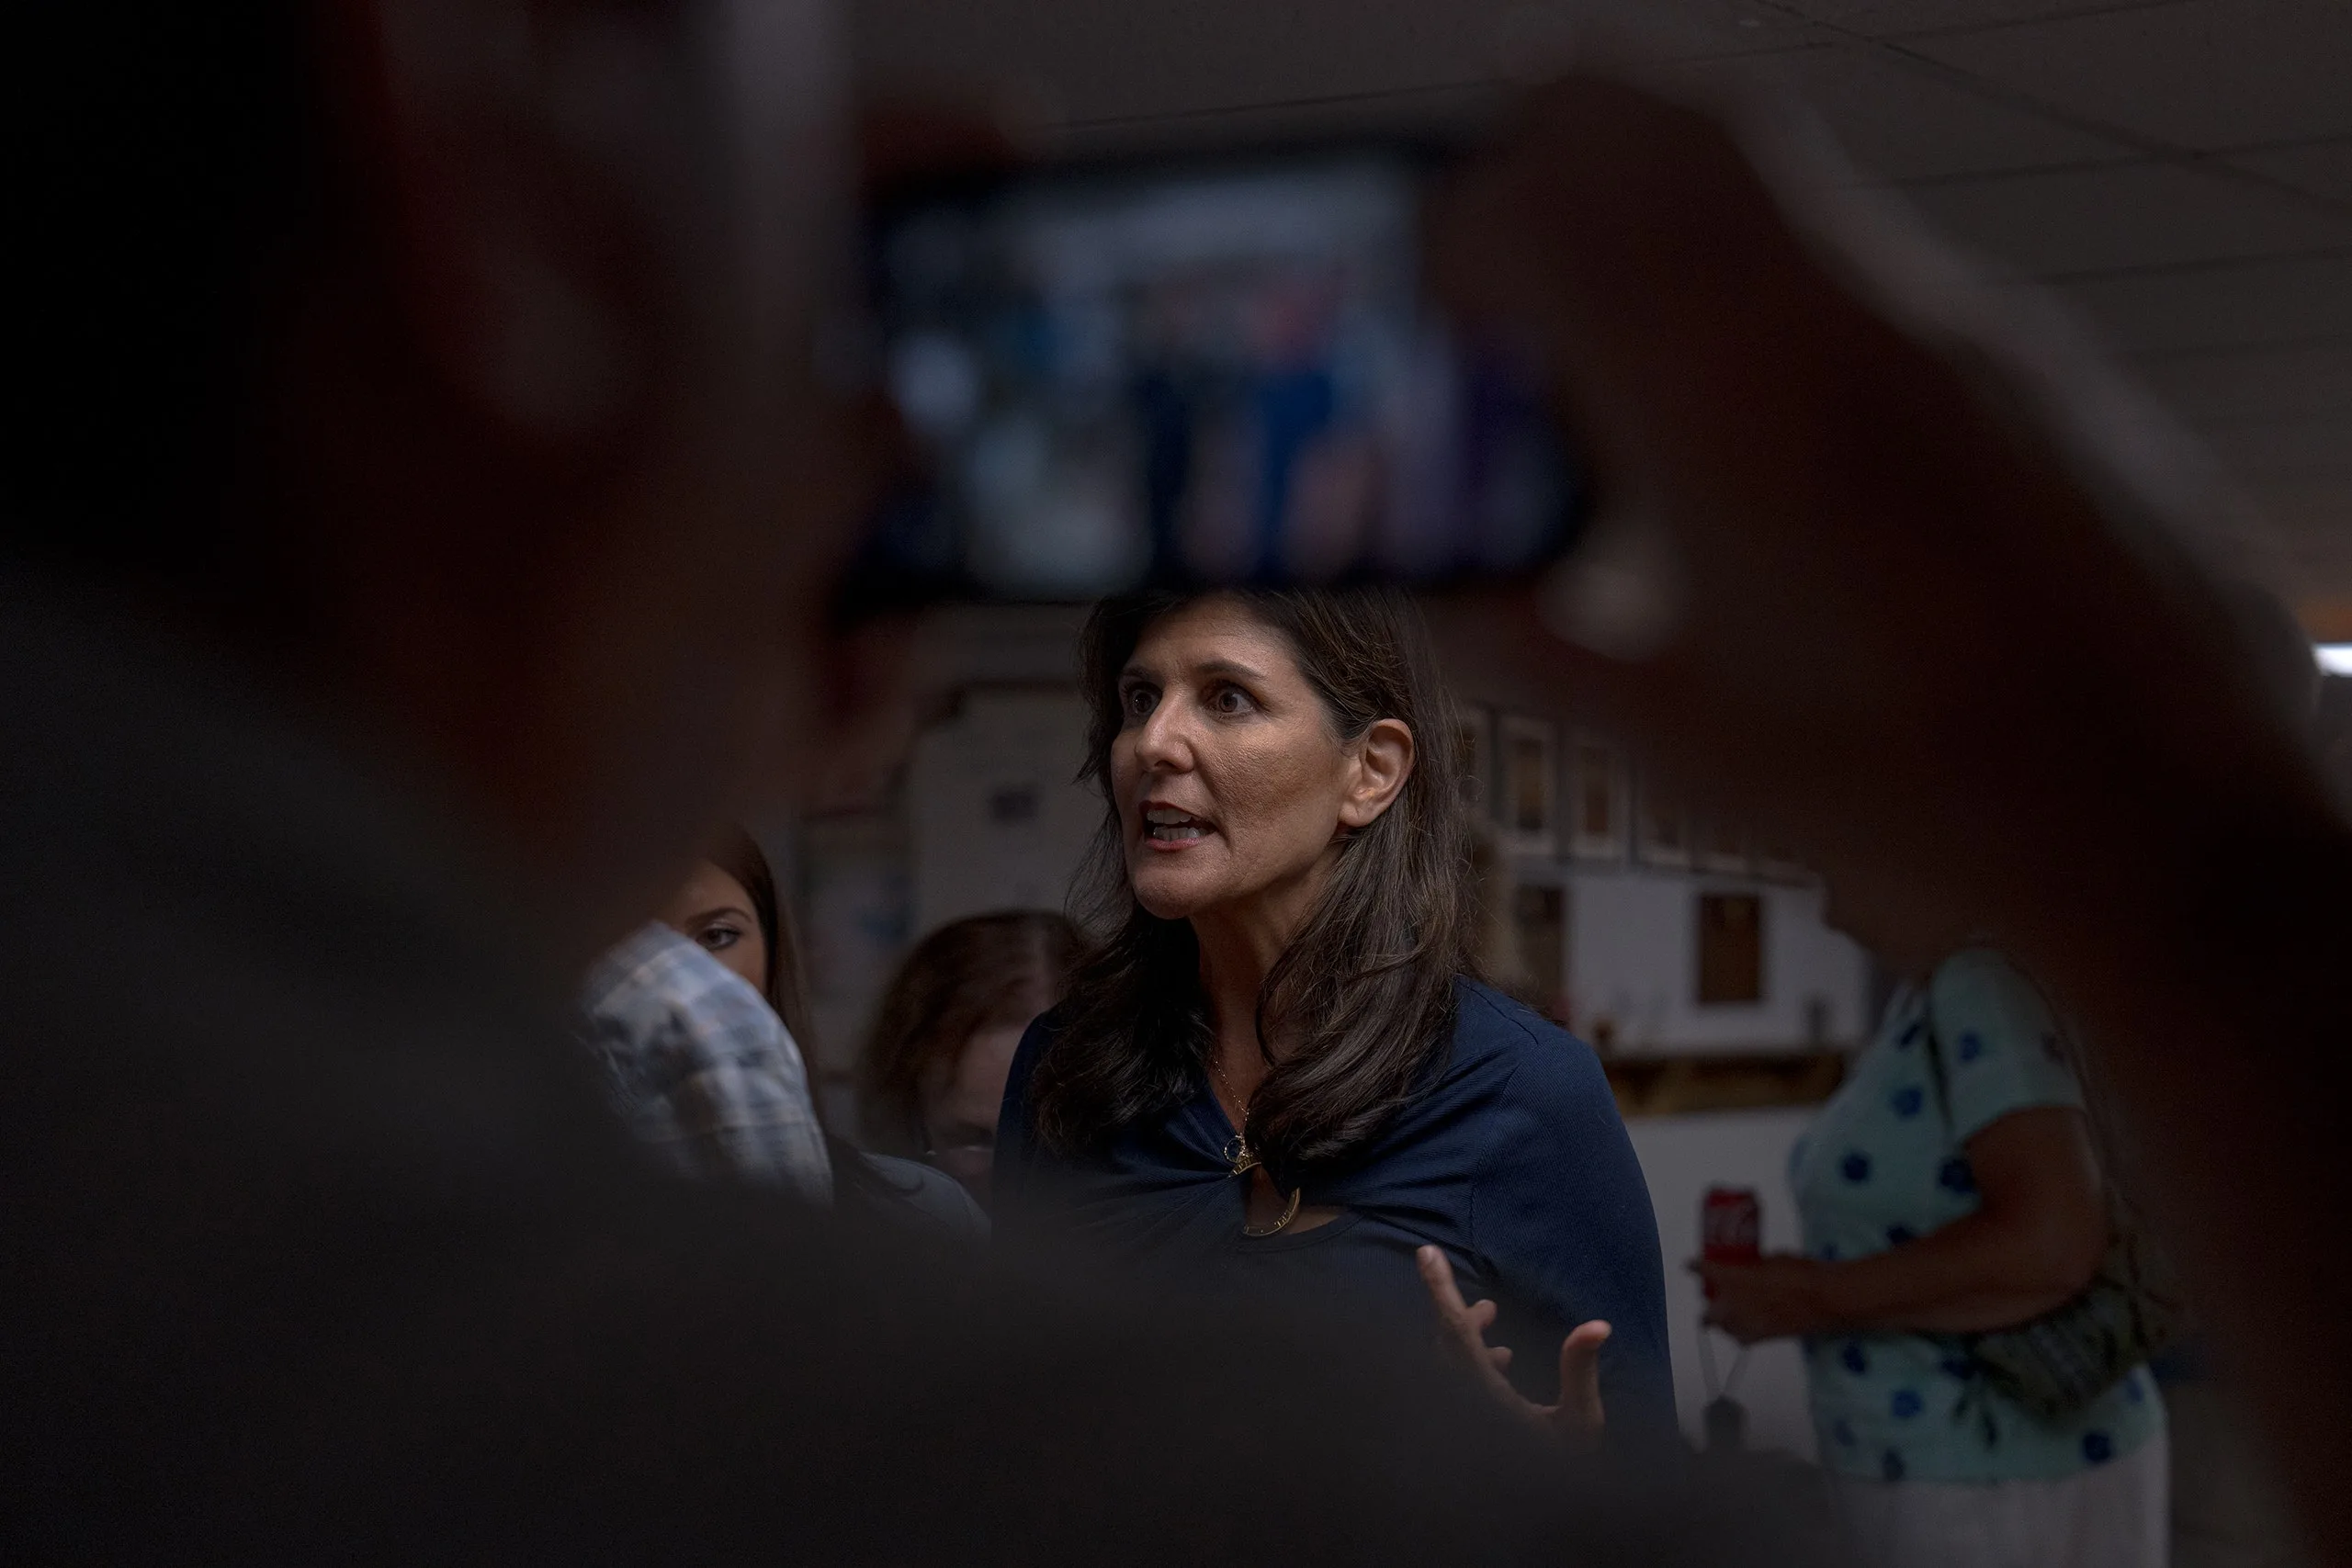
1577	1417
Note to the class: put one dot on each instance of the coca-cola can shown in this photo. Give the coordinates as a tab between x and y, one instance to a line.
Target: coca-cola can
1731	1225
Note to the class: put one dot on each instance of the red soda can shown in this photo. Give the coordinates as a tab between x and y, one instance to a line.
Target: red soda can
1731	1225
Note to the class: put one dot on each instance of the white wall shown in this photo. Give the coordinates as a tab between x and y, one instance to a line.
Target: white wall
1681	1157
1633	958
996	819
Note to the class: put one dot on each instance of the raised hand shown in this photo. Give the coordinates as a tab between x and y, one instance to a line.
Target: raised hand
1867	568
1577	1417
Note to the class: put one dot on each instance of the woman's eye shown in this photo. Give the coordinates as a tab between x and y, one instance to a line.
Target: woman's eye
1229	700
1140	700
719	938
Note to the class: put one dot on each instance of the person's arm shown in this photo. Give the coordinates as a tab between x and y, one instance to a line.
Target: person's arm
1562	1216
1885	582
2035	1243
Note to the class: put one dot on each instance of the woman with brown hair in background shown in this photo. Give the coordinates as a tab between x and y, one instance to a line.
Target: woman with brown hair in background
931	1080
728	907
1278	1075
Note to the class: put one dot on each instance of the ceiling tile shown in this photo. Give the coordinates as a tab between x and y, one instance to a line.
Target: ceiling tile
1107	62
2251	386
2322	506
1141	59
2304	449
1884	18
2202	72
2265	302
1433	111
2310	523
1684	30
2323	168
2134	215
2197	73
1903	121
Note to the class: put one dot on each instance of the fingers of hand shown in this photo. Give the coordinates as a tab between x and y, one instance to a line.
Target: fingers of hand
1463	1325
1467	1322
1438	1275
1579	1415
1580	1357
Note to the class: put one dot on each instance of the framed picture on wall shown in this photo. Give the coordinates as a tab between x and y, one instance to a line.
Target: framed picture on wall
1527	804
1731	949
1474	753
1598	805
1722	846
1662	830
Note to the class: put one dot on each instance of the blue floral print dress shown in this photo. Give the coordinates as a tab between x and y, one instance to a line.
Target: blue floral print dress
1886	1162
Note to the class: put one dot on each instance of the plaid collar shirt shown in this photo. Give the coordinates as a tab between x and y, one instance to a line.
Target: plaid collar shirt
701	1068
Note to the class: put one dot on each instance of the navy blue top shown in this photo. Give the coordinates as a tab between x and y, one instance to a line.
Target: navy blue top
1512	1158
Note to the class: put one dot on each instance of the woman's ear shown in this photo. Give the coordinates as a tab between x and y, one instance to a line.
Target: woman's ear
1384	760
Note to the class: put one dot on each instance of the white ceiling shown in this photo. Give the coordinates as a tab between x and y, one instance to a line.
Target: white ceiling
2178	171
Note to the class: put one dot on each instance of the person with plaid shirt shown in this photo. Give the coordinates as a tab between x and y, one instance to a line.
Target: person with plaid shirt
701	1068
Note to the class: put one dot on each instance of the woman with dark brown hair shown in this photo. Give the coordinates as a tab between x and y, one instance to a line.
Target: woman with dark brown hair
931	1078
728	906
1277	1073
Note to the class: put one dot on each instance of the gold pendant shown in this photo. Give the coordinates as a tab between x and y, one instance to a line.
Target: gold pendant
1289	1214
1237	1155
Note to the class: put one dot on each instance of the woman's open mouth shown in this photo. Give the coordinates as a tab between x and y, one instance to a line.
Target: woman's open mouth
1166	825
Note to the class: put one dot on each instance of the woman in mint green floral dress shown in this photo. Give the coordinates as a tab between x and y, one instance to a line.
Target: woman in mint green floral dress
1950	1186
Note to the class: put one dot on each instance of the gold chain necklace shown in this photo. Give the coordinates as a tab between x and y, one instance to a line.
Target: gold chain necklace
1236	1147
1238	1156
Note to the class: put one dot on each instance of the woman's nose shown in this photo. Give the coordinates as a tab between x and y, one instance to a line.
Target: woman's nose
1164	743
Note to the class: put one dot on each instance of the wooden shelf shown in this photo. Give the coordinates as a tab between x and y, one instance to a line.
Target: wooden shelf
1747	1080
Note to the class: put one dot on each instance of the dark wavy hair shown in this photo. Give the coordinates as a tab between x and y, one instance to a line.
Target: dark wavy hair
1360	1004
